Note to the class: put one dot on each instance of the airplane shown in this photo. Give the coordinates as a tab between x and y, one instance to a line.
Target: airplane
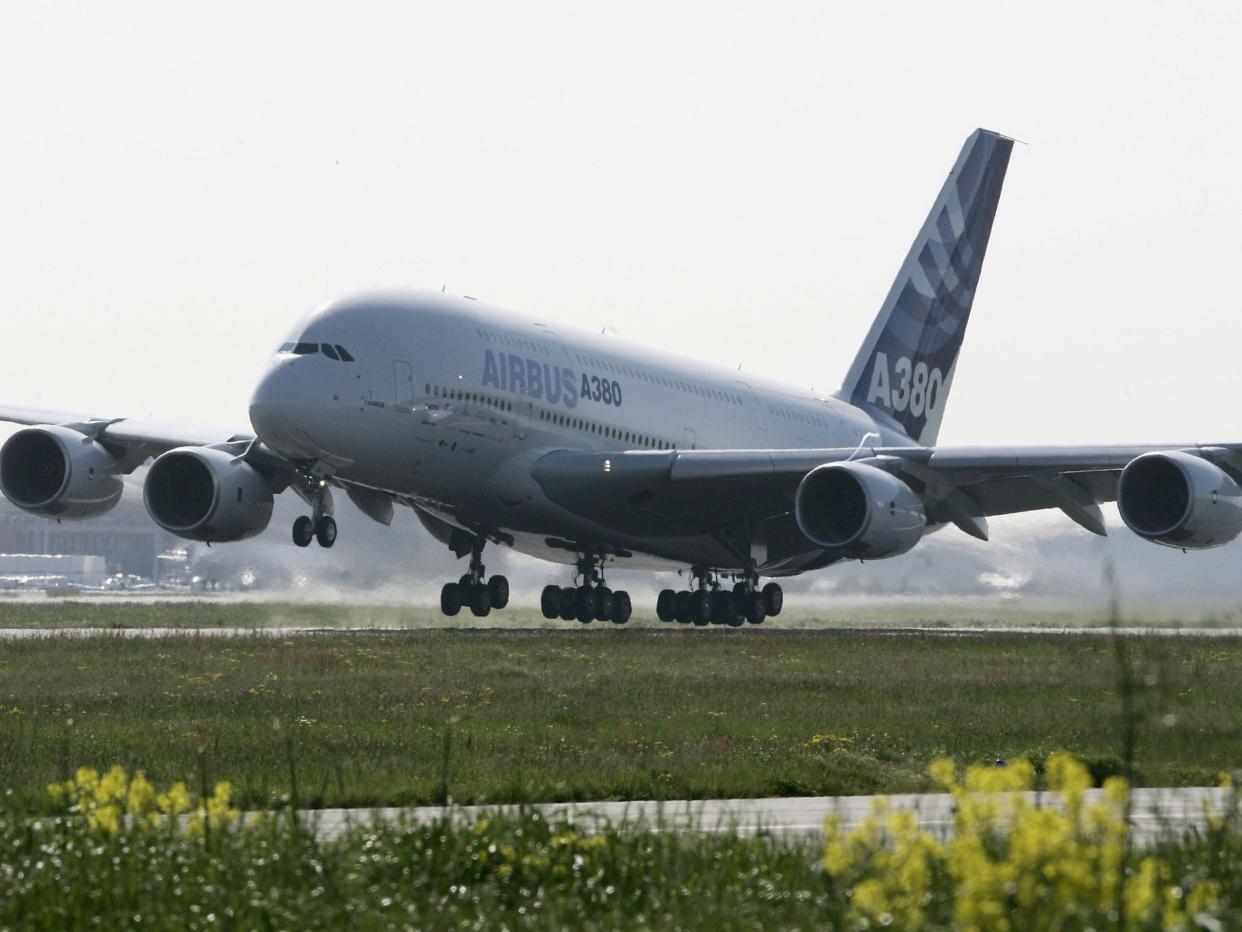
583	449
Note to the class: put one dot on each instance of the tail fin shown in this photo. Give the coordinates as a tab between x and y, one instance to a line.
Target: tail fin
906	365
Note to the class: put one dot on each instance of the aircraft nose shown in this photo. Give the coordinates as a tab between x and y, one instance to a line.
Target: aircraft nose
274	402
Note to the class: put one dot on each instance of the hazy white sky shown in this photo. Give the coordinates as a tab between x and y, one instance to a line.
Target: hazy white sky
179	182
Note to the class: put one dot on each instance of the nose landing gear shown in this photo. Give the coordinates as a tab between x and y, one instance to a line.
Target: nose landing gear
319	525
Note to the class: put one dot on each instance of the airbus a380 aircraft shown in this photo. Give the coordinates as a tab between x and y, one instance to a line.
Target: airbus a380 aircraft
499	427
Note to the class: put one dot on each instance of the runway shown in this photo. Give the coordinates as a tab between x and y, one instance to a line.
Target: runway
21	634
1155	812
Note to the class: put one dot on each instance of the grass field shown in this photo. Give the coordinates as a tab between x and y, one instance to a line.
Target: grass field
673	713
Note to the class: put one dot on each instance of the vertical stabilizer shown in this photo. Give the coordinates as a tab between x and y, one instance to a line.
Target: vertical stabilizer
905	366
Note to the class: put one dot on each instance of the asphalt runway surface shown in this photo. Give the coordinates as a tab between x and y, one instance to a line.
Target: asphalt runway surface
1155	812
19	634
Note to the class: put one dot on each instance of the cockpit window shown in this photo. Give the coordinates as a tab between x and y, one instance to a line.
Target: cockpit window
305	349
285	348
344	353
330	352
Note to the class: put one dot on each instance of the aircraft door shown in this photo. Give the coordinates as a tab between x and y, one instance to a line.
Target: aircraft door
754	406
689	439
403	385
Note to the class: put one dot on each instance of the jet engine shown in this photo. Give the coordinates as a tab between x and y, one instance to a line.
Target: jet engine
859	511
206	494
58	472
1179	500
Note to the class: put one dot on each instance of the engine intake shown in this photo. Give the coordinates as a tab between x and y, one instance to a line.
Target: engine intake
859	511
58	472
1179	500
205	494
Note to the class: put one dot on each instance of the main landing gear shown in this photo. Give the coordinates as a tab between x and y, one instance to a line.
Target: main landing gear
472	591
591	600
711	604
319	525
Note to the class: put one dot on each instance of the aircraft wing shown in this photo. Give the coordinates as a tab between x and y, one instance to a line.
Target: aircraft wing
135	440
664	493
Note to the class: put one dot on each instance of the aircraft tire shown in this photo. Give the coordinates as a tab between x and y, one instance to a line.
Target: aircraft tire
550	602
603	603
303	531
325	531
773	598
584	604
569	603
681	602
480	601
701	607
757	610
450	598
621	607
498	588
666	605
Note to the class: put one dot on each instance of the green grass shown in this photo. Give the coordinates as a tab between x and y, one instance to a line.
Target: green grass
618	714
507	872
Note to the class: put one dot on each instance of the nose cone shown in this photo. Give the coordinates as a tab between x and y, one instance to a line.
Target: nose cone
277	407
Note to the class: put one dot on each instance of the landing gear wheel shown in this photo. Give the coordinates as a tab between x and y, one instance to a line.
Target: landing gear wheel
722	607
450	598
666	605
303	531
701	607
584	604
569	604
550	602
773	598
621	608
325	531
758	609
684	611
498	588
602	608
480	601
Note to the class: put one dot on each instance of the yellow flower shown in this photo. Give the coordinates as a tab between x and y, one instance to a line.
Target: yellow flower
141	795
175	801
113	787
943	772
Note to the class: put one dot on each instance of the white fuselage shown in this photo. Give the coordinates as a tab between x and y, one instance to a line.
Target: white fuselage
447	402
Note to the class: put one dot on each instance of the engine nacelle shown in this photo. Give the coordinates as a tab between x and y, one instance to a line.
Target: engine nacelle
1179	500
58	472
859	511
200	493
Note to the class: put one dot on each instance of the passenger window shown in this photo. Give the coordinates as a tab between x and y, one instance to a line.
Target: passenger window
330	352
344	353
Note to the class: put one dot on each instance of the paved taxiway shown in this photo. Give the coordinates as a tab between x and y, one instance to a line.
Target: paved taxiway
1154	812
